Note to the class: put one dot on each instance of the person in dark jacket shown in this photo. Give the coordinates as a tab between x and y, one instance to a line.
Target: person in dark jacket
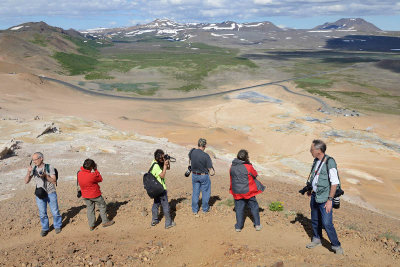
244	187
88	179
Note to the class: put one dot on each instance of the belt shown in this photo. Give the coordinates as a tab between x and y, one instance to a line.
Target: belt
199	173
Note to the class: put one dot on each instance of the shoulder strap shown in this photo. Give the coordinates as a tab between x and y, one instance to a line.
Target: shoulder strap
327	170
190	154
312	168
152	167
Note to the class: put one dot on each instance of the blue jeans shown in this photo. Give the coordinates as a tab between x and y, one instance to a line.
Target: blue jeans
163	201
240	204
319	219
42	206
201	183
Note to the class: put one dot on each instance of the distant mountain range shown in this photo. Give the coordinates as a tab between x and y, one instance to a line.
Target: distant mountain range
35	43
165	27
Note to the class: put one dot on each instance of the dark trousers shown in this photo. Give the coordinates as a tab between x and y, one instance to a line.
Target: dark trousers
163	201
240	205
320	218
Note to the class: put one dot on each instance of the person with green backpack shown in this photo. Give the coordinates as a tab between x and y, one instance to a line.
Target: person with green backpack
45	178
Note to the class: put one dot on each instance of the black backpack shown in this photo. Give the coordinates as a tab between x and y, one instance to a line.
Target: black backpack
153	187
47	168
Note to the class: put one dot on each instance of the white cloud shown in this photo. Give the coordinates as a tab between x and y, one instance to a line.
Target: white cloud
195	10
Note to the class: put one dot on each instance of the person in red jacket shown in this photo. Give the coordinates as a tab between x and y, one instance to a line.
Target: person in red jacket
244	187
88	179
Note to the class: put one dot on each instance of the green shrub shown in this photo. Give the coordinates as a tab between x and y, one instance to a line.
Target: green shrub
230	202
276	206
76	64
390	235
39	40
98	76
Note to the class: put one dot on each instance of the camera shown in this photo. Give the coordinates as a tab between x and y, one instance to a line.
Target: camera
336	198
307	188
189	170
79	194
168	157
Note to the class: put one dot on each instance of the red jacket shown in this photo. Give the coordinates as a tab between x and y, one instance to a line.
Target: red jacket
88	181
243	180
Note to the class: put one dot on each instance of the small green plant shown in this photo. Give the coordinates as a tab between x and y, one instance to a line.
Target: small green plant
354	227
230	202
390	235
276	206
290	213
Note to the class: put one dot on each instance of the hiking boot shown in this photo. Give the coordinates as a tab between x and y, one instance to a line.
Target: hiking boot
258	227
109	223
44	233
58	230
170	225
338	250
314	243
154	223
91	228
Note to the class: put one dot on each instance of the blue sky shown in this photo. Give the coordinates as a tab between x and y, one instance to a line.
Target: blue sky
86	14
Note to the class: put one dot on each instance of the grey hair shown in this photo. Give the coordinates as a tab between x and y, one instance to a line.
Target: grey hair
39	154
202	142
319	144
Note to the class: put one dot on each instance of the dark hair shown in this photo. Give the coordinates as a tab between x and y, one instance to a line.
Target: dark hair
89	164
243	155
319	144
158	154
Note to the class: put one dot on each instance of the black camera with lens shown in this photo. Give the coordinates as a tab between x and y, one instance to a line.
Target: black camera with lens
168	157
189	170
307	188
78	193
336	199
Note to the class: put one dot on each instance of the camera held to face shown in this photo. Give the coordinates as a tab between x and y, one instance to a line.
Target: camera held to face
307	188
168	157
189	170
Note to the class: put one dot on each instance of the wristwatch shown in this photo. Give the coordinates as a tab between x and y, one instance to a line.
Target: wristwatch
330	198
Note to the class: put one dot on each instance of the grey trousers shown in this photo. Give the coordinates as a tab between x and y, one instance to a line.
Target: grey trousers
163	201
90	204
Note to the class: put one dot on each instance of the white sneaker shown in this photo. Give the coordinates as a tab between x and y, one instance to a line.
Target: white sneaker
258	227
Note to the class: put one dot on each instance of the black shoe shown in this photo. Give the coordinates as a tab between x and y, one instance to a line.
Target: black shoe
44	233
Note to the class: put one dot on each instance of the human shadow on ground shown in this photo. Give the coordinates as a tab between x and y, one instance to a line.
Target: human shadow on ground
211	201
172	207
112	210
306	223
70	213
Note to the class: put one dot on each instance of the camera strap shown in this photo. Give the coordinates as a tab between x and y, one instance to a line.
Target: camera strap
190	155
319	166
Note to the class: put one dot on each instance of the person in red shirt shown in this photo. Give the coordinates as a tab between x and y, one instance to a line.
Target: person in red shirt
244	187
89	178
